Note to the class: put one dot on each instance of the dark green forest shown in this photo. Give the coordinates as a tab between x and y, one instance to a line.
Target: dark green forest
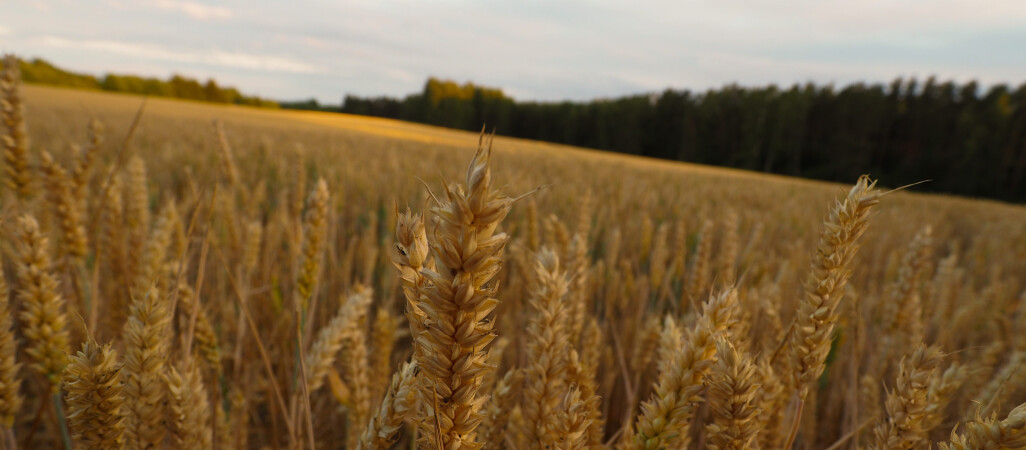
967	139
39	71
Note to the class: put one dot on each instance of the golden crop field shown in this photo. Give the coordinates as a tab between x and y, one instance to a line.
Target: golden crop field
228	277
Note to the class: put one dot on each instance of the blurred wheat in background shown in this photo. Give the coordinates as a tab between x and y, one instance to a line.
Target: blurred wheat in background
284	280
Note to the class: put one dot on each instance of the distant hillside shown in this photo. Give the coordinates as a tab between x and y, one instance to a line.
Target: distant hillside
39	71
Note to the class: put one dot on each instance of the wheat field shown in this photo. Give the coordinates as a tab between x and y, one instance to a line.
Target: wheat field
184	275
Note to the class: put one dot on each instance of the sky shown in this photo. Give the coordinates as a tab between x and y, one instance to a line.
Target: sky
532	49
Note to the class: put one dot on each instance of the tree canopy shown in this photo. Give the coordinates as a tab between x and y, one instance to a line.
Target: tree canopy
967	139
39	71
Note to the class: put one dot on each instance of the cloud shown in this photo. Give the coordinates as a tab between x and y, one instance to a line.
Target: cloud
195	10
573	49
237	60
4	30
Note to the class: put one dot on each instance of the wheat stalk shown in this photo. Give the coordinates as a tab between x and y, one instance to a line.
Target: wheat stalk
336	336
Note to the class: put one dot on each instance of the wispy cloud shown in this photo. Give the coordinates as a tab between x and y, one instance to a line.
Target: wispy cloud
195	10
572	49
237	60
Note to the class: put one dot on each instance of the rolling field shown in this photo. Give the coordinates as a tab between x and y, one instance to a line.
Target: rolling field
262	284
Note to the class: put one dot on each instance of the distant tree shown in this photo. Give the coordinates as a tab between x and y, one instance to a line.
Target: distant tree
902	132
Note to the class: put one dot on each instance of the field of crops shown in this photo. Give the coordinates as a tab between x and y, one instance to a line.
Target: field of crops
184	275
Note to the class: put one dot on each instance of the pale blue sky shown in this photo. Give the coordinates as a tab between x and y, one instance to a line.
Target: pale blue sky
534	50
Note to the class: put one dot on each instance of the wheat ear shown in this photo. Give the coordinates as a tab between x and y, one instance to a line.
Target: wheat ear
146	354
82	167
733	390
207	345
357	374
906	405
831	267
729	247
15	140
410	256
698	278
315	229
943	387
398	406
149	269
830	270
497	411
458	301
111	253
226	160
547	353
43	318
188	408
904	304
137	212
683	367
991	434
65	208
93	387
572	421
583	373
10	399
334	336
382	342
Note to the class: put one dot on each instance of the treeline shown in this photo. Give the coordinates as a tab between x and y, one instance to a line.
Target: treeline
968	140
39	71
